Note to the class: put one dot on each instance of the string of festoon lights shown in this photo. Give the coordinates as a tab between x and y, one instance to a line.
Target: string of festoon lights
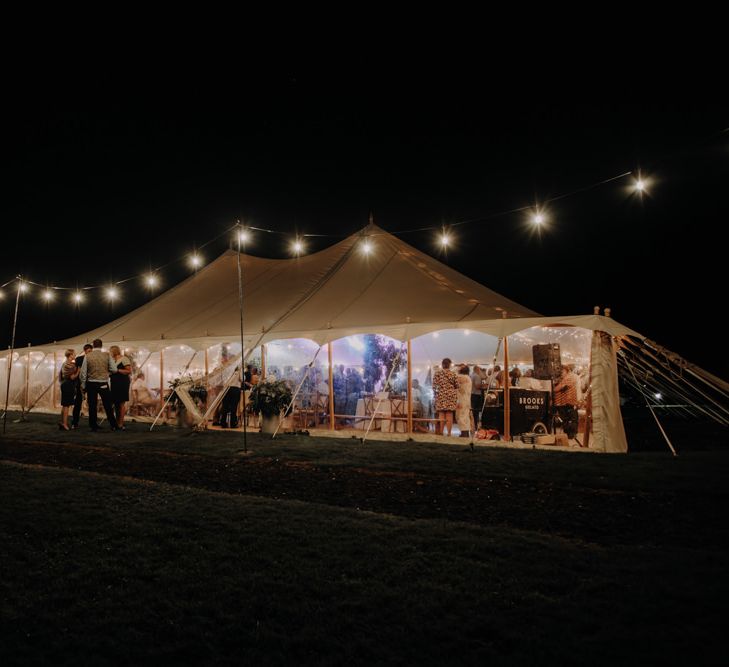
539	215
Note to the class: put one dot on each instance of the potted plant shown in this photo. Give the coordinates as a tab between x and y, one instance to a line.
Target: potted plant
270	398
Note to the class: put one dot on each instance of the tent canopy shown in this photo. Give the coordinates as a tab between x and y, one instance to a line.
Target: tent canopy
394	290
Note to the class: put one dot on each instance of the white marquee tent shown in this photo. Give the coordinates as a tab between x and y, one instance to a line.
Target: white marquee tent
337	294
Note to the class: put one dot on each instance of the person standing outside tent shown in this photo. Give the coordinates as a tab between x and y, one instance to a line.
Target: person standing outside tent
95	371
79	399
67	377
120	382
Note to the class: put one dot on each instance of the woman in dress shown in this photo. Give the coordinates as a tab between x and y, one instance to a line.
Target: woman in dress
445	387
67	377
120	384
463	410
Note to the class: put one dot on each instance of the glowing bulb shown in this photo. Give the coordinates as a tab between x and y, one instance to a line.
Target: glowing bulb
538	218
78	297
151	280
22	287
244	236
2	294
47	295
640	185
445	240
658	396
366	247
112	293
297	247
195	261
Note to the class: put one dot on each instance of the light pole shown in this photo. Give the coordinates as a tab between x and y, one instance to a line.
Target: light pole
12	350
242	235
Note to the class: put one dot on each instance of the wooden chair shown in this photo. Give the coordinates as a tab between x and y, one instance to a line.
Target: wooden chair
398	412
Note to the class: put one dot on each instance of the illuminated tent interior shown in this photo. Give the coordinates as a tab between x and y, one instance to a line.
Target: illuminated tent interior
337	307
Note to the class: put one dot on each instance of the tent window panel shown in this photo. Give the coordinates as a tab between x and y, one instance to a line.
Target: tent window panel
42	377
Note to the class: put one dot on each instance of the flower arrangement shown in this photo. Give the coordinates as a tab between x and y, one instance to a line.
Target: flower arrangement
270	397
196	389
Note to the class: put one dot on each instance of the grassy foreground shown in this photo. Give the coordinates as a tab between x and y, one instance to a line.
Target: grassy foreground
105	570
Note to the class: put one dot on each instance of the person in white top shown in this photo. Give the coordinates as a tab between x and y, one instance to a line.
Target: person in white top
141	394
463	408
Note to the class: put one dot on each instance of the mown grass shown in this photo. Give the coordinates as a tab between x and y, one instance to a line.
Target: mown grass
705	470
103	570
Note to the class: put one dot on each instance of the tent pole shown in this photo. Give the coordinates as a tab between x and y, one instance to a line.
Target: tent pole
162	376
410	388
26	397
507	382
332	425
242	345
11	352
55	370
263	361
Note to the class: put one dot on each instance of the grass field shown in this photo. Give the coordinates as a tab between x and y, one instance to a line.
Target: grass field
137	548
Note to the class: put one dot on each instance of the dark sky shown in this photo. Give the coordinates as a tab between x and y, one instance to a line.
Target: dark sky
101	182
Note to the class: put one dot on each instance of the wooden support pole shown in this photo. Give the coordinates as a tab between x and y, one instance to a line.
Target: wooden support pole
410	388
332	425
263	361
162	374
55	383
26	398
507	382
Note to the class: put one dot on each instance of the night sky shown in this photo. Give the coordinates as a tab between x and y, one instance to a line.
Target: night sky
101	183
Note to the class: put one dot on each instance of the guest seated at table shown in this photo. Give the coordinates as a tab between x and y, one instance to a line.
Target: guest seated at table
418	407
141	396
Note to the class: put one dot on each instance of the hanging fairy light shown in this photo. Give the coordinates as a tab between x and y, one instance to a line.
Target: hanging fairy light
297	247
77	297
151	280
47	295
367	247
445	240
244	235
195	261
112	293
538	218
23	287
